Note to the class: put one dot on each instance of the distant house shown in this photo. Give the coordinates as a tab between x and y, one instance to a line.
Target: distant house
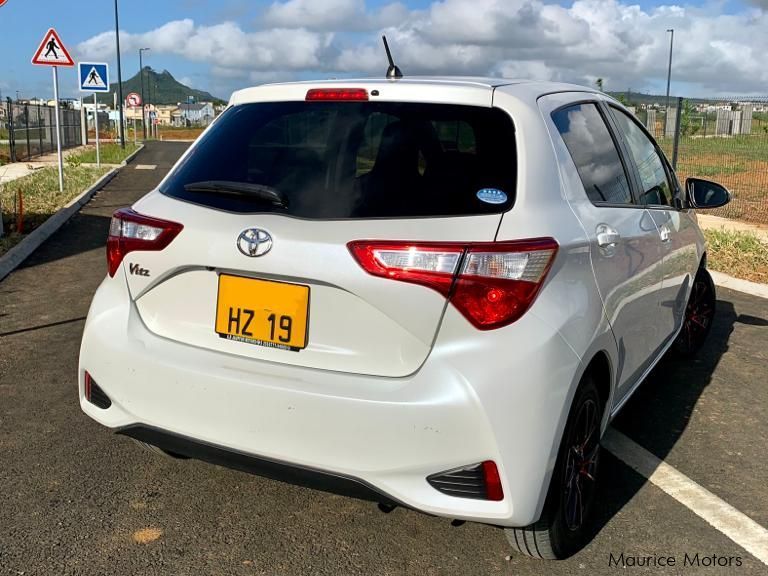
165	114
194	114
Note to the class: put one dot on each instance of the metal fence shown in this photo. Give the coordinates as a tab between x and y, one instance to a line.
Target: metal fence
29	130
721	139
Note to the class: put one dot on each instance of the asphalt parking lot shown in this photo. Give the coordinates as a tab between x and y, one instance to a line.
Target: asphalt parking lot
76	498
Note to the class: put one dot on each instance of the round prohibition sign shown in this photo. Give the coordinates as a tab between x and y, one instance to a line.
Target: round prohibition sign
133	100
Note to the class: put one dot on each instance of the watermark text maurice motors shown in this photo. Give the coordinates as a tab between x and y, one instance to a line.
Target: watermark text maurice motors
694	560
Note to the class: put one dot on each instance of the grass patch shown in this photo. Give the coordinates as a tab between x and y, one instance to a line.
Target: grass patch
111	153
41	197
739	254
180	133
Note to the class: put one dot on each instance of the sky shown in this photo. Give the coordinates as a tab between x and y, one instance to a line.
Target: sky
720	46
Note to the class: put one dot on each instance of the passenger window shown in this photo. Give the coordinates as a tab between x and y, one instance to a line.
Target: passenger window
653	177
593	151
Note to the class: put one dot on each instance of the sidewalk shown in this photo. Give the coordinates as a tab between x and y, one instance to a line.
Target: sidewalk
709	222
17	170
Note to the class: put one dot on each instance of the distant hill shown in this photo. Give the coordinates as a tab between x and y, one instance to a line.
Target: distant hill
165	89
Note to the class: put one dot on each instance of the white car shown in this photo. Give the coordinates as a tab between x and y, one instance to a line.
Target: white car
432	293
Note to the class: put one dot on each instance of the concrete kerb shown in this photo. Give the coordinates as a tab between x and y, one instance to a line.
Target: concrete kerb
752	288
16	255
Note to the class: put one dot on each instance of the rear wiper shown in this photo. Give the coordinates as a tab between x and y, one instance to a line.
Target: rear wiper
239	189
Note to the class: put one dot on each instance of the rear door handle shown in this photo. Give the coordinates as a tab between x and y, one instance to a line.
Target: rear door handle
607	237
665	233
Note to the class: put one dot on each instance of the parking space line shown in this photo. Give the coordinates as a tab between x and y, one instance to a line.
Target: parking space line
722	516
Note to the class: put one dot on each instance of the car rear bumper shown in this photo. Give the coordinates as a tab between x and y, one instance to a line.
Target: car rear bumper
386	435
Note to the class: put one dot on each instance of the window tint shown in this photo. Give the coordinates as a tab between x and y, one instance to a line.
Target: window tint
594	153
653	177
351	160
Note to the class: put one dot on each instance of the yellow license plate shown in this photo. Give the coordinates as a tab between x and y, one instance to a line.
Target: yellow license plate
273	314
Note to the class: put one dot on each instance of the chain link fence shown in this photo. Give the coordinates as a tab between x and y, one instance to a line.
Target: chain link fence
720	139
29	130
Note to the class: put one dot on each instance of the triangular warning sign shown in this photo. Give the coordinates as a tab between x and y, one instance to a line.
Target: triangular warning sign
52	52
93	80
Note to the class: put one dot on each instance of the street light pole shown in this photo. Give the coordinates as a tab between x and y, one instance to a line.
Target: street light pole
141	75
119	79
669	68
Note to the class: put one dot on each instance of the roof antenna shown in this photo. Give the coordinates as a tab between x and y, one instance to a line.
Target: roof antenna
393	72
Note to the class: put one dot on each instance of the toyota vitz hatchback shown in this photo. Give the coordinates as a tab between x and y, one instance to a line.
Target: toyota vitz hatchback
431	293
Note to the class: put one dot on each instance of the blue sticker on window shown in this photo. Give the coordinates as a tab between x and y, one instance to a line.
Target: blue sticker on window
491	196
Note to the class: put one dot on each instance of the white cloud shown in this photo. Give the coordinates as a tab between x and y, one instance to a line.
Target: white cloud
225	44
620	42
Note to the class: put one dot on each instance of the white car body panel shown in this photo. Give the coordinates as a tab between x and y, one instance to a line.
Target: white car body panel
396	384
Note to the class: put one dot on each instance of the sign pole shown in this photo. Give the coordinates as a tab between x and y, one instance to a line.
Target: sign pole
58	126
96	121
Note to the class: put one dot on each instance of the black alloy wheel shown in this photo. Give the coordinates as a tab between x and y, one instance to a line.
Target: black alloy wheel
699	315
580	469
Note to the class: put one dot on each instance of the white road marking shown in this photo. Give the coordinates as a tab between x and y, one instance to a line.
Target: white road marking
146	166
722	516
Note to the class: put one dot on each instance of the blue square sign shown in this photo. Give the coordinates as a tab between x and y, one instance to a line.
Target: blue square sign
94	77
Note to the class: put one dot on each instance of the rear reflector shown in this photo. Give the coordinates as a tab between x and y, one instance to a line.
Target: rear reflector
95	395
337	94
493	490
492	284
478	482
130	231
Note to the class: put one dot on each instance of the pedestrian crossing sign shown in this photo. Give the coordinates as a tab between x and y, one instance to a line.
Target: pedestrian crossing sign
52	52
94	77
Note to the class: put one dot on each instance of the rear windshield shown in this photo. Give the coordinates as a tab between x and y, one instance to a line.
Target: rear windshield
340	160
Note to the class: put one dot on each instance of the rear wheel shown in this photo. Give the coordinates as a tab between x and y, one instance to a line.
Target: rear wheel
699	315
565	526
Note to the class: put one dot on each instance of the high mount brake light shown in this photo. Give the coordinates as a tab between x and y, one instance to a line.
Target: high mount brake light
130	231
337	95
492	284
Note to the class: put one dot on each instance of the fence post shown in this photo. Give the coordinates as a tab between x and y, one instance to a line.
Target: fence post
26	122
40	128
11	139
677	132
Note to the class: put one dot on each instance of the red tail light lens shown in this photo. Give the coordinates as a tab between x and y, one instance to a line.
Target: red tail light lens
130	231
337	94
492	284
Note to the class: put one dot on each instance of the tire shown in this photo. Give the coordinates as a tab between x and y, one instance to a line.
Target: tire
565	527
699	316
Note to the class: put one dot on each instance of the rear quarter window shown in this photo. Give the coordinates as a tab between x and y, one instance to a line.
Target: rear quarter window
353	160
594	153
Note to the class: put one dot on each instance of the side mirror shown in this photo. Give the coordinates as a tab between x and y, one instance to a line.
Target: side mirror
706	194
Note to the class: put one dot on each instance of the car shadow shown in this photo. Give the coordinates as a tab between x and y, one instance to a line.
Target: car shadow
659	412
84	232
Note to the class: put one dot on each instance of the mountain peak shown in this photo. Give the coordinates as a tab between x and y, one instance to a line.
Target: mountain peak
159	88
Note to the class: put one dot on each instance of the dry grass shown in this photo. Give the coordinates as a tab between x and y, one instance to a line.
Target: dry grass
739	254
147	535
180	133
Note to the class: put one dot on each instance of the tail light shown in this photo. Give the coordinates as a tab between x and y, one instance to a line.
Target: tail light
492	284
337	95
130	231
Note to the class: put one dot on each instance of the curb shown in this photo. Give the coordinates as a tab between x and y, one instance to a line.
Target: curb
132	156
16	255
752	288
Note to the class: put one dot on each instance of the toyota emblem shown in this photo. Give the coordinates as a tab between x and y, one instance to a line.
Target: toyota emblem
254	242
